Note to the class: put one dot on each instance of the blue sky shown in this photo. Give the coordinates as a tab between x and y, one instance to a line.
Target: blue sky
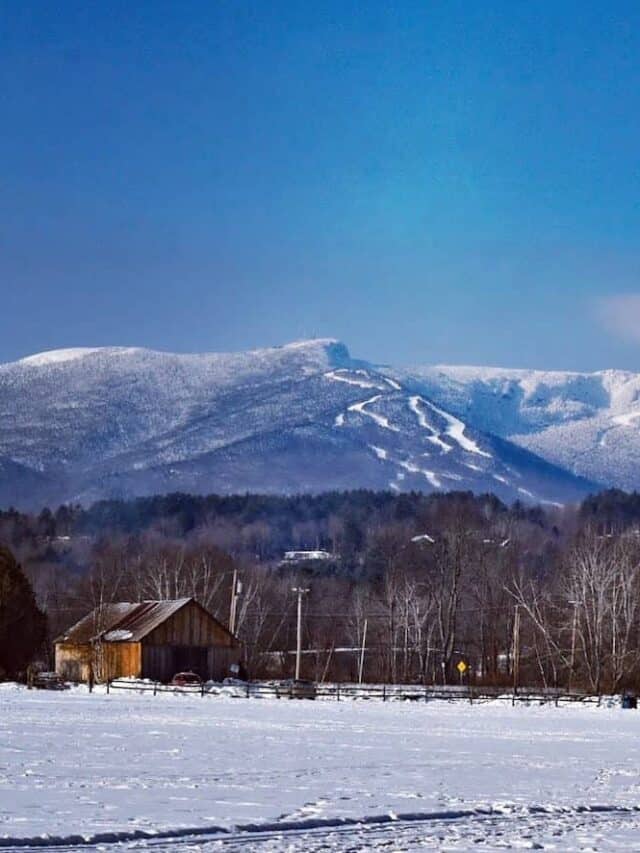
429	182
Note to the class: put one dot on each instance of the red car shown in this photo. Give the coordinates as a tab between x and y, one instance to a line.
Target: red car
186	679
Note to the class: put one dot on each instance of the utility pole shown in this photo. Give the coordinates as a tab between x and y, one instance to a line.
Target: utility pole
516	649
362	650
236	590
301	591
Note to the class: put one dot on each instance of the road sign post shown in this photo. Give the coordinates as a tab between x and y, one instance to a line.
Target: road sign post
462	667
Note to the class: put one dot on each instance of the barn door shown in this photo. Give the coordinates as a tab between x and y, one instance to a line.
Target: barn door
192	659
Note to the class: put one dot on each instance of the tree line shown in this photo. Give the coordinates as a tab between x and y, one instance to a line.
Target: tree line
409	584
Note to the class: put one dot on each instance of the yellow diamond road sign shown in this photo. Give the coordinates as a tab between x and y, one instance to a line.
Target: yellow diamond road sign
462	667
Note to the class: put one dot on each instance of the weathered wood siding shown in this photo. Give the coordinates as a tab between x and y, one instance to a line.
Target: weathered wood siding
219	659
120	660
190	626
73	661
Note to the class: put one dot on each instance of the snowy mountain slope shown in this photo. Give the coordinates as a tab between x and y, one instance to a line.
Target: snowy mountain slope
89	423
588	423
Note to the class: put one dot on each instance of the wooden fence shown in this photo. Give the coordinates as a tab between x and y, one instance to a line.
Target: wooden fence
362	692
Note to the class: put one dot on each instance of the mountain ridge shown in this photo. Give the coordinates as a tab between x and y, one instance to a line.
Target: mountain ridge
84	423
585	422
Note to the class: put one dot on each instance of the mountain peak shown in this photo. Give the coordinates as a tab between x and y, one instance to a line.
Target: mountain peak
61	356
336	350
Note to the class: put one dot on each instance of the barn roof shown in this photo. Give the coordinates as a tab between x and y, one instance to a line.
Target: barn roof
122	622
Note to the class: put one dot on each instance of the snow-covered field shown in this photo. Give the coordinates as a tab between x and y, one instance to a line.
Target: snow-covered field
215	773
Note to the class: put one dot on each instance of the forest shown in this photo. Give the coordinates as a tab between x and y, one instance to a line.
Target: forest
421	581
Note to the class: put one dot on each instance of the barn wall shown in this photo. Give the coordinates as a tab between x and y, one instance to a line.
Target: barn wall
119	660
190	626
158	662
219	659
73	661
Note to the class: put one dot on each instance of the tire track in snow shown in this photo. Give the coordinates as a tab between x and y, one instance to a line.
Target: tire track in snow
461	826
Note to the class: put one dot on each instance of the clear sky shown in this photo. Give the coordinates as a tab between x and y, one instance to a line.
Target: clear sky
430	182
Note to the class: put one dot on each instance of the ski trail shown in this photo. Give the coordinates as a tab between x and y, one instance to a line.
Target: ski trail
455	428
414	469
360	383
379	419
434	437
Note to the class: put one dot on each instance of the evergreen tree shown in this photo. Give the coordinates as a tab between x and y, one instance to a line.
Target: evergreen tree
22	623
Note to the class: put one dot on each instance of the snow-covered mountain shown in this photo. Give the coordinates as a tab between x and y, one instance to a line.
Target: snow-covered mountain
587	423
83	424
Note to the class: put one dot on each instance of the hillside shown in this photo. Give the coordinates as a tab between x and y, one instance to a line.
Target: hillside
587	423
83	424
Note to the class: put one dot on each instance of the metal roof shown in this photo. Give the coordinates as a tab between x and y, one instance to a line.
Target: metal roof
122	622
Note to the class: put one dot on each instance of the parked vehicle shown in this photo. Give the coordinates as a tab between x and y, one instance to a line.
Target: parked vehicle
296	688
186	679
49	681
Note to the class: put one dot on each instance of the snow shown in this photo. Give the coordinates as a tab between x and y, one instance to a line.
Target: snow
579	421
360	380
380	452
282	774
379	419
415	469
118	635
145	421
434	437
308	555
455	428
423	537
525	492
58	356
304	343
626	419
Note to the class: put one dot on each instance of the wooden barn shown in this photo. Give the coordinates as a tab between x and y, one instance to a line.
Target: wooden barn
148	639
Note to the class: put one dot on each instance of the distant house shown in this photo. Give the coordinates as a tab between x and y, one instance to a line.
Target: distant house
303	556
148	639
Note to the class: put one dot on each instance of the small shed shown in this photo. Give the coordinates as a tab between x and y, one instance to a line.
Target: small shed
147	639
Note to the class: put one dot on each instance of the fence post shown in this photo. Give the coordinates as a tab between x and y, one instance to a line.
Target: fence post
202	689
384	692
108	685
338	692
247	691
155	687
